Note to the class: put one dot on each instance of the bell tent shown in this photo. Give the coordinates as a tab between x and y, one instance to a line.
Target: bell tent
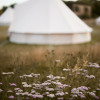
47	22
7	17
98	21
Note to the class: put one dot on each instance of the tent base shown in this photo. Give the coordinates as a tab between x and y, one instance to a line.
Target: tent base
4	24
55	39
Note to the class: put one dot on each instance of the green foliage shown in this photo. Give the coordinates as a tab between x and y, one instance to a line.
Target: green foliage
96	9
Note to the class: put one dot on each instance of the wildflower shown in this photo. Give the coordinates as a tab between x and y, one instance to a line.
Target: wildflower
66	92
66	69
20	90
49	89
82	88
34	96
62	77
60	94
51	95
98	89
17	93
46	83
90	77
1	90
93	65
57	77
1	83
74	95
50	76
27	75
26	85
85	71
36	75
56	83
68	85
8	73
96	97
12	84
78	73
74	91
57	61
16	89
70	75
9	91
92	94
46	92
25	93
32	91
29	94
11	97
37	96
81	95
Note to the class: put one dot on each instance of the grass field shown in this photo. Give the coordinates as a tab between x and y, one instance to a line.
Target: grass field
60	72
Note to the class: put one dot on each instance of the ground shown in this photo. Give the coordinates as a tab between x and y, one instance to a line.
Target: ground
68	61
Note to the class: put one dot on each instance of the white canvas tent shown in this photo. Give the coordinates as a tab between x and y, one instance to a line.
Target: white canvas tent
7	17
98	21
47	22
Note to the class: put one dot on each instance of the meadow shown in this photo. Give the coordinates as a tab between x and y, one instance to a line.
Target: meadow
65	72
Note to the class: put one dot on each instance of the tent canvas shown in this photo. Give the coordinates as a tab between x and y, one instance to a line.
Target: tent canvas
7	17
98	21
47	22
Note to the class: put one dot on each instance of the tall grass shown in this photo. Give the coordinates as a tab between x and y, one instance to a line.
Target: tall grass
49	63
3	33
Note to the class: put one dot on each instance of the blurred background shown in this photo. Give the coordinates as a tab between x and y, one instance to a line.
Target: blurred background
23	59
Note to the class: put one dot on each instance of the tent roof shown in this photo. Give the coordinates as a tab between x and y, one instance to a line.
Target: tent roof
98	19
7	16
46	16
